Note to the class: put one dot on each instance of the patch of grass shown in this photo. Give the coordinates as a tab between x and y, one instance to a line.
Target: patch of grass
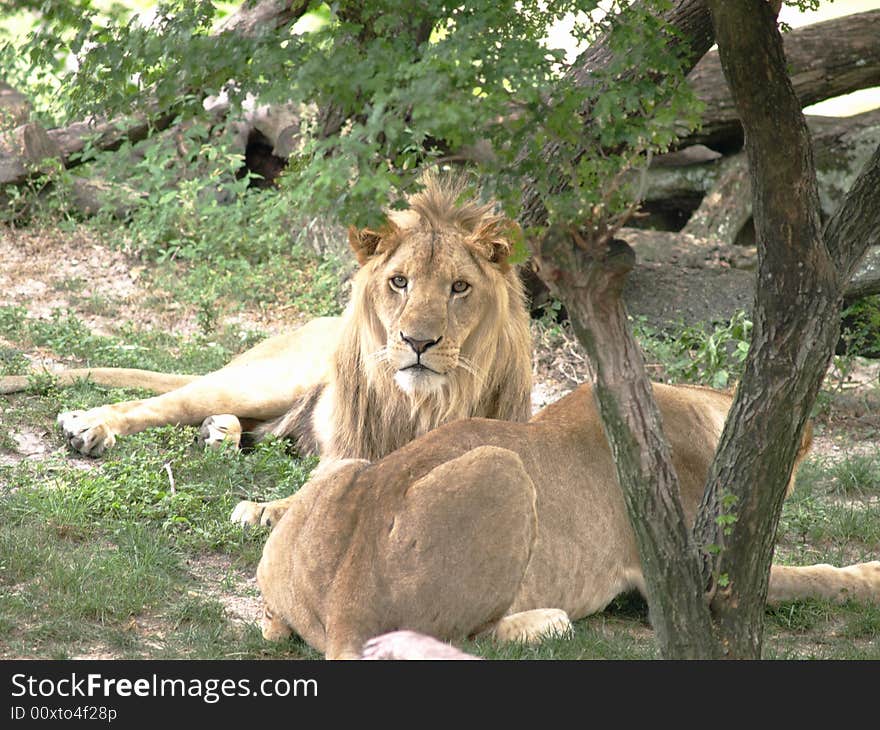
858	474
96	550
56	586
830	517
295	280
160	478
800	616
97	305
13	361
847	631
697	354
69	337
71	283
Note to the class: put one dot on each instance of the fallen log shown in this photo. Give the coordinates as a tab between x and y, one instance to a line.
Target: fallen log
714	197
26	151
65	143
825	60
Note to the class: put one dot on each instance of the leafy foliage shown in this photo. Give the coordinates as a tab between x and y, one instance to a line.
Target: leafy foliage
699	354
386	88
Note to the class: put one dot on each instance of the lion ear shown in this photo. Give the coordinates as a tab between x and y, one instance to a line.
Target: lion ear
363	242
366	243
496	240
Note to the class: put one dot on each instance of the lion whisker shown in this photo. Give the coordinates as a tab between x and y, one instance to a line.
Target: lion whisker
469	367
380	354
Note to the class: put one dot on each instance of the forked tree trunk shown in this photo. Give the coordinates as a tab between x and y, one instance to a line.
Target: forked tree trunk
801	276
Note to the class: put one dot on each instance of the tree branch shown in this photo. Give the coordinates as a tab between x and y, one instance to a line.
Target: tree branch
255	17
856	224
692	28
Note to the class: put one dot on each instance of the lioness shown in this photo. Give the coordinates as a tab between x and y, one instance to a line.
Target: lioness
482	525
436	330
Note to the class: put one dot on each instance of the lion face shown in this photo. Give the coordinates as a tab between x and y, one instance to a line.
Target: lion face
430	295
434	286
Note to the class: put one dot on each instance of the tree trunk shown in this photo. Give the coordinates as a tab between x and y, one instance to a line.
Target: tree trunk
797	312
796	325
588	276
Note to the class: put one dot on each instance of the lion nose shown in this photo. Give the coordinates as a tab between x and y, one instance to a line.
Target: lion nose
419	346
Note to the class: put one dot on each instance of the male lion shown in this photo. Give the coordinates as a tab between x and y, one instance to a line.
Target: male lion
436	330
481	525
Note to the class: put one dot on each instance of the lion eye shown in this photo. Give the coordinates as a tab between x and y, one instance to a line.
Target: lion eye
398	281
460	287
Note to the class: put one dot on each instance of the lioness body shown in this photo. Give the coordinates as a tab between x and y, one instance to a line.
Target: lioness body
481	524
436	330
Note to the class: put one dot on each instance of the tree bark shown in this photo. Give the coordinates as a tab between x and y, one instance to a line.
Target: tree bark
796	324
727	207
261	16
24	152
841	146
588	276
106	134
825	60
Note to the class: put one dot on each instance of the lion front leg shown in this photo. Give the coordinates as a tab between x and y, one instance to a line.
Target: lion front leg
859	582
253	391
268	514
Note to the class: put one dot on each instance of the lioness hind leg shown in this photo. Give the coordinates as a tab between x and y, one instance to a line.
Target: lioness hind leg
218	430
860	582
260	513
532	627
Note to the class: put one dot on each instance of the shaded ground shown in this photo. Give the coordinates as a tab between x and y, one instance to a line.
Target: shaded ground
46	271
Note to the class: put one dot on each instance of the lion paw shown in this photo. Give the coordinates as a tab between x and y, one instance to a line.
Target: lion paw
532	627
218	430
266	514
86	432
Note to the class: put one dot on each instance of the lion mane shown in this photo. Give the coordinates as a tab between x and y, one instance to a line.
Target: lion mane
362	411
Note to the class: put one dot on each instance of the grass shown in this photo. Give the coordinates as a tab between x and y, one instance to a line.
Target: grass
96	556
102	549
133	555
